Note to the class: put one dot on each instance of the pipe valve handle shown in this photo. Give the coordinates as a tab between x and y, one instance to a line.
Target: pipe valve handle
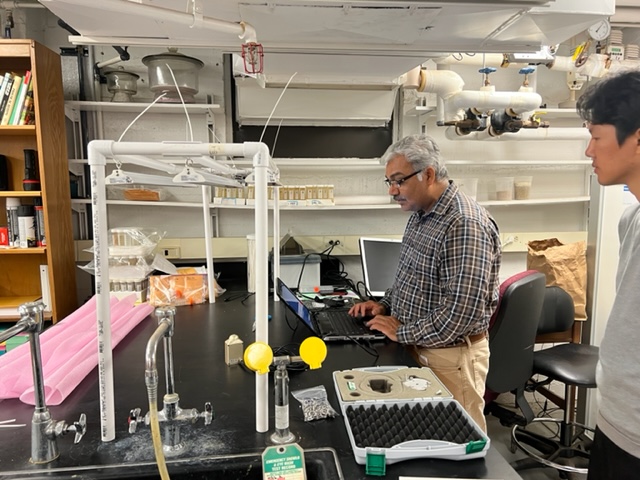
134	419
207	413
79	427
526	70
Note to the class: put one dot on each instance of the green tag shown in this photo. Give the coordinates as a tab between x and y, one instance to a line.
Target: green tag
283	462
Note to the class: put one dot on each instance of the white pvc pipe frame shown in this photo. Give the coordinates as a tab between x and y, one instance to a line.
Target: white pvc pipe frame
98	152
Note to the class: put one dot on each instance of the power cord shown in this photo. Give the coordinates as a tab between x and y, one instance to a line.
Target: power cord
244	295
368	349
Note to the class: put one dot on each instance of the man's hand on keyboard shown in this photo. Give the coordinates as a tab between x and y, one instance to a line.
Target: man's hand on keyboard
385	324
368	308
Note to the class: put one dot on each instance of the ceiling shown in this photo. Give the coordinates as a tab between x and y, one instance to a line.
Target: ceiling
329	41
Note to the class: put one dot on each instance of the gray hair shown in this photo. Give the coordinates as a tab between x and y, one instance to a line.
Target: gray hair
420	151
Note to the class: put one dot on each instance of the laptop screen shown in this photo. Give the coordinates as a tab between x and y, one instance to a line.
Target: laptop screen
380	257
294	303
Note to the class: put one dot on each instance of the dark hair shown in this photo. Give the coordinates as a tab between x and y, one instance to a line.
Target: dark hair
614	100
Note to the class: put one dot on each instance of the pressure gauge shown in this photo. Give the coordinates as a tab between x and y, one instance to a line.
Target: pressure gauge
601	30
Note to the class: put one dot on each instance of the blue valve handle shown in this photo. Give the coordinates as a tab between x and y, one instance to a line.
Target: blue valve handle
487	70
526	70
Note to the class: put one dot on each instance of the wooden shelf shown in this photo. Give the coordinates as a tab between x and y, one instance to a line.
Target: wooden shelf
21	193
21	268
22	251
23	130
9	306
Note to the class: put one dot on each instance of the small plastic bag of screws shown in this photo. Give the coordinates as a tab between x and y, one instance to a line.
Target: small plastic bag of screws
315	404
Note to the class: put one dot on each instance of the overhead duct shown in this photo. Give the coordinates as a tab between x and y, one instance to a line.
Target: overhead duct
360	46
353	106
410	29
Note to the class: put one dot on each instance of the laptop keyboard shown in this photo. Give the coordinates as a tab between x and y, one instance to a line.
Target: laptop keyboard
342	323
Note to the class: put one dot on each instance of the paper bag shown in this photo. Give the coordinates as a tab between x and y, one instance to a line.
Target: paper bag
564	266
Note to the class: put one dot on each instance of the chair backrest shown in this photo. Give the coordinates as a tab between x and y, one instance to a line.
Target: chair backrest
512	331
558	311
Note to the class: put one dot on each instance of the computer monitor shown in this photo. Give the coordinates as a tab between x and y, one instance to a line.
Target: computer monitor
380	257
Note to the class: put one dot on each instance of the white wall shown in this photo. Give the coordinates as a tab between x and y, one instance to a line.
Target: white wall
348	181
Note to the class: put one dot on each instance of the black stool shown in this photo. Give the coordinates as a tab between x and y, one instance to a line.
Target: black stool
573	364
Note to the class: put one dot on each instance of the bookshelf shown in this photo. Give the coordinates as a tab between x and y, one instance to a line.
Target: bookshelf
20	268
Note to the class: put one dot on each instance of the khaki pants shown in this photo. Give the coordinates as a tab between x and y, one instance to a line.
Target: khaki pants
463	370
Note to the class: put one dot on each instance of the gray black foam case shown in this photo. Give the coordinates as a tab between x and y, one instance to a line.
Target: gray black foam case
403	413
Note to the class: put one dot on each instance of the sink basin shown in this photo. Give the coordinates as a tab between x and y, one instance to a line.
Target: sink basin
321	463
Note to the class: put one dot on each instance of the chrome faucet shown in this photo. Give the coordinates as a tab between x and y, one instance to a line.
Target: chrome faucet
44	430
172	417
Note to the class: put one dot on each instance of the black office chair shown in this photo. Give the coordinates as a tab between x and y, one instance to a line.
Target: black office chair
565	448
512	333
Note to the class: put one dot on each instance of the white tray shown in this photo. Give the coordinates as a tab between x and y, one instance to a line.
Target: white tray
456	436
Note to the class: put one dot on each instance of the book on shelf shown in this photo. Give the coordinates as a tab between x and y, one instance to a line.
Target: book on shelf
8	85
22	93
3	85
27	116
13	95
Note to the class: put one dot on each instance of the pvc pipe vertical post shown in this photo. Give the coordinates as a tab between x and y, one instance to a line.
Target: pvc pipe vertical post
276	241
97	162
208	242
260	164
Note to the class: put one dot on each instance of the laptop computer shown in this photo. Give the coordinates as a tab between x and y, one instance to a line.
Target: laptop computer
380	257
331	324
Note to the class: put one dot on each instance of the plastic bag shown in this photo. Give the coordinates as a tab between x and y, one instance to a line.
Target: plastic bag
187	287
315	404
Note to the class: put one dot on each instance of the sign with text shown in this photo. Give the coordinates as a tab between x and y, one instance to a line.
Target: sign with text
283	462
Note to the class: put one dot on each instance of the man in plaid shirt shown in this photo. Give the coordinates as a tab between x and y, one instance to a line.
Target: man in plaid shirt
446	285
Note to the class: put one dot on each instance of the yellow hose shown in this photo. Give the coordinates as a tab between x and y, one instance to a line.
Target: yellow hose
157	440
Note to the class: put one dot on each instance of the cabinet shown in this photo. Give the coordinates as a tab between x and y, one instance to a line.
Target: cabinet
20	279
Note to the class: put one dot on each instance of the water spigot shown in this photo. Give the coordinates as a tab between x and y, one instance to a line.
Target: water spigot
172	416
44	430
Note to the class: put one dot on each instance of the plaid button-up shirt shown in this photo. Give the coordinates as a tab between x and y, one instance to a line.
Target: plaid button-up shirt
446	285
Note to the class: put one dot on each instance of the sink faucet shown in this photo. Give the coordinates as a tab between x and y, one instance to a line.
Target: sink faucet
44	430
172	417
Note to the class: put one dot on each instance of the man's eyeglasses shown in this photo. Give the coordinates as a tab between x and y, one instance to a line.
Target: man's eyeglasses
399	181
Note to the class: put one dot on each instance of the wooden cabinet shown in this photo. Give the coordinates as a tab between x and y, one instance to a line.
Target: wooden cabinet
20	267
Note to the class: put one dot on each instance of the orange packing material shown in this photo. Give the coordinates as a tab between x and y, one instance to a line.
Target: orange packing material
177	290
